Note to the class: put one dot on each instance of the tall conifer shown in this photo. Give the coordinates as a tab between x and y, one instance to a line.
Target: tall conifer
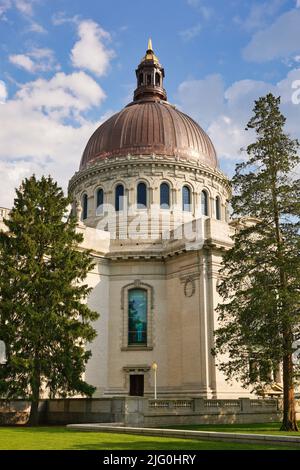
260	315
43	320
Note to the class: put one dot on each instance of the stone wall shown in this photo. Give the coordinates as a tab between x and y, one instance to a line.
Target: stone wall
82	410
17	412
139	411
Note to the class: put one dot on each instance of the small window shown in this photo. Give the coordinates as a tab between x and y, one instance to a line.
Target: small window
164	196
157	79
186	199
204	203
218	208
84	207
137	316
148	79
100	201
119	195
141	195
141	79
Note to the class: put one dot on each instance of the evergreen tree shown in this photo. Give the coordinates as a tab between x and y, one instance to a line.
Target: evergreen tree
43	320
259	320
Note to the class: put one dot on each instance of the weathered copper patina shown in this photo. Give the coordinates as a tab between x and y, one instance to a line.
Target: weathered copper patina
150	125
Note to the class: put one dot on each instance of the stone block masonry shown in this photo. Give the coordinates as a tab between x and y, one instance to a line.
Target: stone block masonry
145	412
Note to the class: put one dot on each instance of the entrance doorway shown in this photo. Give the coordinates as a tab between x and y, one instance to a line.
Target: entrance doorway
136	387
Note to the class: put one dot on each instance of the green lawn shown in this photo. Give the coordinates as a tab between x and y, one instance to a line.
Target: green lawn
258	428
50	438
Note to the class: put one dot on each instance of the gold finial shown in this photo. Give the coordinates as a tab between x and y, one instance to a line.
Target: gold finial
150	54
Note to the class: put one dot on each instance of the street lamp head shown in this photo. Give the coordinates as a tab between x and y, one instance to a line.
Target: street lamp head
154	366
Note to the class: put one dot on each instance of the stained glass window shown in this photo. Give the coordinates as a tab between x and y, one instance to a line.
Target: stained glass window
137	316
164	196
204	203
119	197
218	208
84	206
141	195
100	200
186	199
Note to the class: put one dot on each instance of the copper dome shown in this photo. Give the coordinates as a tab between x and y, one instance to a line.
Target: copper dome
147	128
150	125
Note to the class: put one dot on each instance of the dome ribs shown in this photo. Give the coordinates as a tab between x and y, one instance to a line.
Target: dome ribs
159	109
186	142
171	120
146	128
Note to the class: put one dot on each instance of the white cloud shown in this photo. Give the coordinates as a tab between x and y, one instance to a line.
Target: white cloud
63	96
25	7
298	4
191	33
35	27
4	6
22	61
3	92
205	11
60	18
44	129
224	113
259	14
36	60
279	40
91	52
203	99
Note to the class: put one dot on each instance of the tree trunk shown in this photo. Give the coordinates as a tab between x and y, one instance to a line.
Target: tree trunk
35	395
289	422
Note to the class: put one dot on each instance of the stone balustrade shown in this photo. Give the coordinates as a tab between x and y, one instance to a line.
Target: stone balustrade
147	412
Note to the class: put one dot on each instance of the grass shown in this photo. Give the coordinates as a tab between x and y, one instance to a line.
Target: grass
60	438
257	428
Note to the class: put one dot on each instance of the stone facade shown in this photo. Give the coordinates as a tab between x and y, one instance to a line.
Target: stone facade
180	283
151	142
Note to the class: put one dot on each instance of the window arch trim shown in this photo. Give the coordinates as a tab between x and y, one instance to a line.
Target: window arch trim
137	284
118	204
97	191
205	197
146	186
165	184
186	207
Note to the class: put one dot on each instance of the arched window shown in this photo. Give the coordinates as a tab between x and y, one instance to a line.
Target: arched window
204	203
100	200
164	196
141	79
119	194
148	79
157	79
186	199
141	195
218	208
84	206
137	316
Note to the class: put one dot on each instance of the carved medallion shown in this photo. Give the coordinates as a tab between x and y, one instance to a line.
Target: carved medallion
189	287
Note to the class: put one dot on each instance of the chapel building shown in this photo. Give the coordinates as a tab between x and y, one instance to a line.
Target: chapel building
152	207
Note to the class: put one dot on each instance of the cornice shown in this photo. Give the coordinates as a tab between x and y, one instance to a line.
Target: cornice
151	162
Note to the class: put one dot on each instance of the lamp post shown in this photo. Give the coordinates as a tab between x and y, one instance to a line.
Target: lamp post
2	353
154	368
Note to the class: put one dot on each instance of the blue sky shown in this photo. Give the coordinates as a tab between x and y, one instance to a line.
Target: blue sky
67	65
